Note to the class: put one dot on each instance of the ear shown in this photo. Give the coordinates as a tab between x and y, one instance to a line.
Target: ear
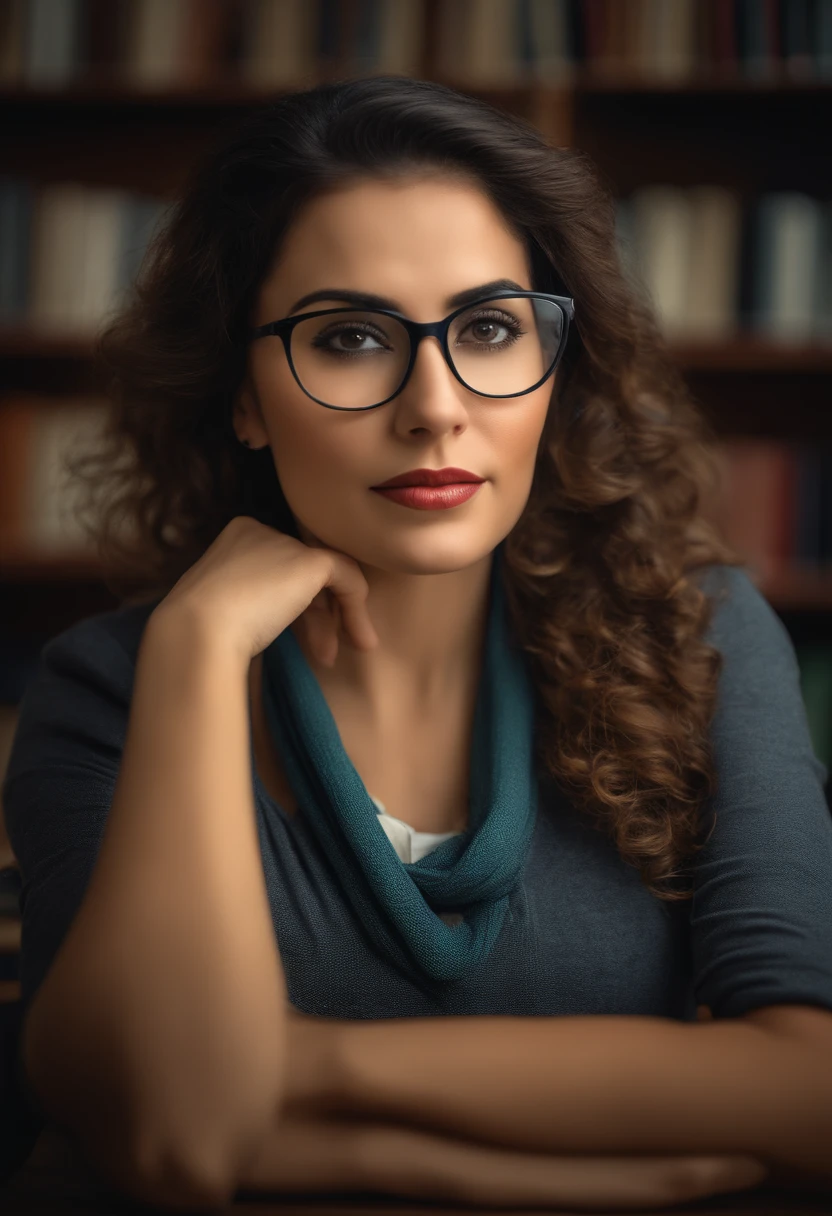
247	417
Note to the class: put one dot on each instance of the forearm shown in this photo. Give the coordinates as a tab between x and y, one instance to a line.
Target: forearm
165	1007
604	1085
319	1153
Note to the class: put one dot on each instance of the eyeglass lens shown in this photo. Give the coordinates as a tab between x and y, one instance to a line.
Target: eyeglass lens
357	358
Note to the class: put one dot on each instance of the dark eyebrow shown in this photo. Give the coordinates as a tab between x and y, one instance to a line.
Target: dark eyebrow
367	299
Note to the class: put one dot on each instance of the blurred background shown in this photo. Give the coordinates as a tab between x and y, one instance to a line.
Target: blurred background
709	120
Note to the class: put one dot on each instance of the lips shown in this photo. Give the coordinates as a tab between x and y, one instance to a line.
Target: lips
430	498
430	477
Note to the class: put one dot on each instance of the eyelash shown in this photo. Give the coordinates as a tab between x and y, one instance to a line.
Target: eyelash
508	322
502	318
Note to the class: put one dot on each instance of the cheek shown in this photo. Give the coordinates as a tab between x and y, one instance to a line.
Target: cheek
517	440
303	453
315	460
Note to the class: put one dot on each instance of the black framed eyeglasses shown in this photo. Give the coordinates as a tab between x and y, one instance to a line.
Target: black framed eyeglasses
361	358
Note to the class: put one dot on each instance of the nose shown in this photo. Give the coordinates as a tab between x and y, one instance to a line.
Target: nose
432	399
431	373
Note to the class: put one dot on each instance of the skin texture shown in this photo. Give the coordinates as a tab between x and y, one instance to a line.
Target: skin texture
428	571
325	1141
417	242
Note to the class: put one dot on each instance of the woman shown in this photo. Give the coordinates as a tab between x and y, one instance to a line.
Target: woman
534	749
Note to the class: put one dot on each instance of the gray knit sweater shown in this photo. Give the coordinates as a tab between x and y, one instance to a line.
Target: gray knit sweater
757	931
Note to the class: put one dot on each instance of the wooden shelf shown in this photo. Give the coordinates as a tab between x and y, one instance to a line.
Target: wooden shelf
599	82
25	342
220	93
800	590
226	94
753	353
36	568
228	90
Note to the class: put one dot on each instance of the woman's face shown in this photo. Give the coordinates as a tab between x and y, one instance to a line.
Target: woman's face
417	242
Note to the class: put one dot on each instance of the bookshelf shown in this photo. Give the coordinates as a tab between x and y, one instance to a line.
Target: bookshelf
729	95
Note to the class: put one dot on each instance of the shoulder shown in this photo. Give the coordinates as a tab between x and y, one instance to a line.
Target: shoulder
738	604
103	636
756	647
759	697
104	646
80	690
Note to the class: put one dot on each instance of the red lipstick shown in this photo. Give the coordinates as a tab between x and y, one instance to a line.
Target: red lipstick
431	498
429	477
430	489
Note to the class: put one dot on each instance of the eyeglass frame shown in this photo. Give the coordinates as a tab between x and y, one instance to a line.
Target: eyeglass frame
417	330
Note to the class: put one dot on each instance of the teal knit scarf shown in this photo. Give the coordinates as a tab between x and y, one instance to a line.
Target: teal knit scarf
472	873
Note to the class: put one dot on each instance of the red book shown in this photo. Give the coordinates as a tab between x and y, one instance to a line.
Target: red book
594	31
725	38
758	503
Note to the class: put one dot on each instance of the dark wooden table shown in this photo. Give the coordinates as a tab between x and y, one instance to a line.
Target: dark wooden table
56	1179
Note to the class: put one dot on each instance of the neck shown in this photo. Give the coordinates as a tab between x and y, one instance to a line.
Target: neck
431	630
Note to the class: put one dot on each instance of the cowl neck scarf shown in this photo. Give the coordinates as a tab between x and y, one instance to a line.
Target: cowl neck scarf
472	873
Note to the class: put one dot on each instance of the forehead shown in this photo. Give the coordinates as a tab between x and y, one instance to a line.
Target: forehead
416	241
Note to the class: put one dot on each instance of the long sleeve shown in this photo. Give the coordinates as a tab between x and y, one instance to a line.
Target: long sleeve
761	914
761	935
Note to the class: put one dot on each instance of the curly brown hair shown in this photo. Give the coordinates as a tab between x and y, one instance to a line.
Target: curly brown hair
597	568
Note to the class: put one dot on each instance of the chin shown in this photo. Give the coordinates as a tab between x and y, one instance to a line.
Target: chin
422	554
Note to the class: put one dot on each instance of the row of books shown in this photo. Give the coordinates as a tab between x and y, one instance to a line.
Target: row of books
153	44
491	42
714	264
40	502
189	43
69	252
773	503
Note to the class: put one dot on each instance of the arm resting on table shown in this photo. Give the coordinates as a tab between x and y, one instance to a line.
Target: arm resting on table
138	1040
602	1084
320	1153
311	1148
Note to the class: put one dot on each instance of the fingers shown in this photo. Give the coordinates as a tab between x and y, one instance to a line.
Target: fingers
322	628
339	611
349	588
356	619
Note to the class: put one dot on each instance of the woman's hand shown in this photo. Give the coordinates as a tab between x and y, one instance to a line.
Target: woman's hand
421	1164
253	581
